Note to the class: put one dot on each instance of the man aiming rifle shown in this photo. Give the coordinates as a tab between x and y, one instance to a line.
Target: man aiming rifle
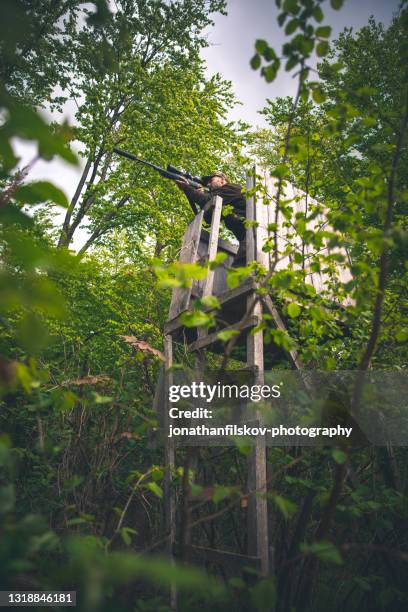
231	194
199	191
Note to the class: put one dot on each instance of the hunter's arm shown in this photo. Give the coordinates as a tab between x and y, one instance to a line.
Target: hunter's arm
195	196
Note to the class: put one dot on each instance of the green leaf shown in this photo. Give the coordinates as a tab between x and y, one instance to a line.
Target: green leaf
291	63
169	283
269	54
287	507
236	583
125	534
269	73
210	301
291	26
318	14
227	334
322	48
218	260
402	335
237	275
76	521
155	488
323	31
291	6
280	171
264	595
220	493
336	4
66	401
101	399
242	446
196	489
261	46
255	62
339	456
41	191
293	310
196	318
325	551
32	333
318	95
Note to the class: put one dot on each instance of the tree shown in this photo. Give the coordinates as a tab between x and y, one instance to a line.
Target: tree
36	45
114	95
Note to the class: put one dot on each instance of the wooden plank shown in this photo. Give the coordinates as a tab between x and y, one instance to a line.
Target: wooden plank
169	463
282	232
213	244
223	298
220	275
258	539
261	217
223	245
301	203
181	296
213	338
250	216
208	282
225	557
293	355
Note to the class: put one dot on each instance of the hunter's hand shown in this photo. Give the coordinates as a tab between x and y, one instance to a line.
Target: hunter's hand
181	182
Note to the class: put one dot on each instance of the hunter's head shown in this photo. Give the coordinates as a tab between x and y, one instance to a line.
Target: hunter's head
215	180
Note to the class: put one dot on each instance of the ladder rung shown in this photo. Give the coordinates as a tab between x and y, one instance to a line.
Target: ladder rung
204	341
223	298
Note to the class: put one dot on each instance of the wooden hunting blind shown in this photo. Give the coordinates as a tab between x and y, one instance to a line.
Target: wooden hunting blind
240	309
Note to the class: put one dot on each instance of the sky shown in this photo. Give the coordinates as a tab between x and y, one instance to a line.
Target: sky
231	45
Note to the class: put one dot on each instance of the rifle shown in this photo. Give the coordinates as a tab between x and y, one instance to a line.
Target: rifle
171	172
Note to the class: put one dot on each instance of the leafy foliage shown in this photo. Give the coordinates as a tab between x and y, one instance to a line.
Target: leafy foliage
81	479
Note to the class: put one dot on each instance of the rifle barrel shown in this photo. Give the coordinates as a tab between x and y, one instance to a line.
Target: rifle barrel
136	159
172	174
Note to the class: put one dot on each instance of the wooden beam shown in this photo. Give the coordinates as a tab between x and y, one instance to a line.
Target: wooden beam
223	245
213	244
223	298
213	338
250	216
181	295
169	462
208	283
258	539
293	355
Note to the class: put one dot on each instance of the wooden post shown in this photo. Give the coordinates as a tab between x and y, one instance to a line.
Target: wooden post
213	244
180	298
258	541
250	216
169	462
211	253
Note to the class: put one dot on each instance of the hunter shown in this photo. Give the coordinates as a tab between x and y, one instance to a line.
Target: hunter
231	194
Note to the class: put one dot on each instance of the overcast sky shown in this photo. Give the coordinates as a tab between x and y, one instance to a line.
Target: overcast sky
233	37
231	47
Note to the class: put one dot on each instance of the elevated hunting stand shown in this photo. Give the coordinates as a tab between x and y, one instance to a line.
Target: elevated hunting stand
240	309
